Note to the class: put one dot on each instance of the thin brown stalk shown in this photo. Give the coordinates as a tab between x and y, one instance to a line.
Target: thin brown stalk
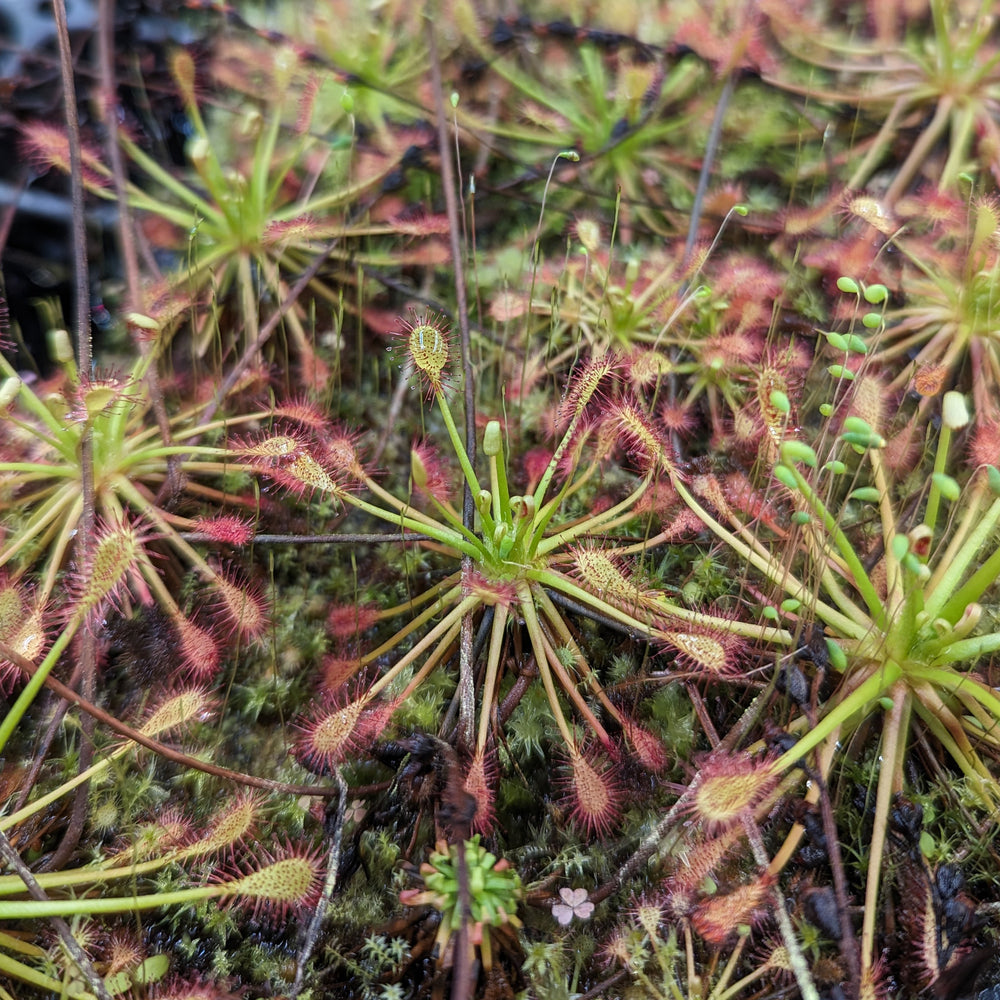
88	641
126	234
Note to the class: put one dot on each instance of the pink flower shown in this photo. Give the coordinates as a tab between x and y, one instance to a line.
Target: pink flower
574	904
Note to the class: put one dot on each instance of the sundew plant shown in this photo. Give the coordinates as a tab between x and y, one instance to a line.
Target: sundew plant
599	590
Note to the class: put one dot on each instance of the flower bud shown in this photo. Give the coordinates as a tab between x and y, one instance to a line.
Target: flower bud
954	412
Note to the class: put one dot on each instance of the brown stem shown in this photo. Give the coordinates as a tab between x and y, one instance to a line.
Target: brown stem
126	235
84	357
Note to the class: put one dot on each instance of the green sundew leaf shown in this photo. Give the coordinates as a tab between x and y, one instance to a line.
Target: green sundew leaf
786	477
838	658
947	486
866	493
876	294
848	285
798	451
839	371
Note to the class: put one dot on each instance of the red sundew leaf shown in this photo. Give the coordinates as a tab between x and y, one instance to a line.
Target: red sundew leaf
201	656
480	780
226	528
727	787
46	146
241	606
332	732
716	918
592	794
348	621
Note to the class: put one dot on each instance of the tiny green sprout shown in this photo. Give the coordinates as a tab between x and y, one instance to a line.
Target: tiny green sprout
826	409
786	477
790	604
569	154
454	99
886	704
867	494
347	102
770	613
837	341
780	402
876	294
836	655
946	486
839	371
835	467
871	321
899	547
798	451
848	285
855	344
741	210
801	517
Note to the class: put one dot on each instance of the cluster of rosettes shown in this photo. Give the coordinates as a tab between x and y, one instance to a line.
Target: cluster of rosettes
494	893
